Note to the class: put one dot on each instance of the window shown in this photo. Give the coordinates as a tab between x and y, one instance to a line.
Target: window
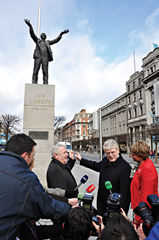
147	71
133	85
134	97
77	126
140	94
151	69
84	126
84	120
141	110
135	112
130	114
139	81
128	88
154	67
129	100
84	132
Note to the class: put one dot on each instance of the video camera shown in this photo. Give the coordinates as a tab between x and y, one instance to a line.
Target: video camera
149	215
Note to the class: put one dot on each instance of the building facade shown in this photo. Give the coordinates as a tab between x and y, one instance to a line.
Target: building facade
131	113
77	128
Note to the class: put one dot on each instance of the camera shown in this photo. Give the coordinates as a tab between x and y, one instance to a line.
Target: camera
114	202
86	202
149	215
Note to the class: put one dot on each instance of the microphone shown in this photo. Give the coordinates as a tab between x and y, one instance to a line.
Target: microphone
89	189
108	186
82	181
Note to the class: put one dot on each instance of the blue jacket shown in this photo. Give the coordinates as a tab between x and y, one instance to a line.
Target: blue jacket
23	197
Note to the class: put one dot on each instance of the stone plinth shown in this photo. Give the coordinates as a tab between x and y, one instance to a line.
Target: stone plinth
38	123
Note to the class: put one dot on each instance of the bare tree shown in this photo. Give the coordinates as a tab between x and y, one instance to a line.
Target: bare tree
58	120
9	124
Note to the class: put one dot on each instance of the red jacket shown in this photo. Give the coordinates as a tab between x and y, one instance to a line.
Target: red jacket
144	183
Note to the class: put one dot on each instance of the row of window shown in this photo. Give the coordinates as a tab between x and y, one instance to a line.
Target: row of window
134	85
113	107
135	112
134	97
151	70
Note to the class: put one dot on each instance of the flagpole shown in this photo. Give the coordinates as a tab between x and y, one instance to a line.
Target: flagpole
134	62
39	19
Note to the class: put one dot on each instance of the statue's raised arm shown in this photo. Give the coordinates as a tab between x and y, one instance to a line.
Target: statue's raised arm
65	31
28	22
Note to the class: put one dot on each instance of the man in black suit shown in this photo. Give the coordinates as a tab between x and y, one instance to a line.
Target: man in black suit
42	54
112	168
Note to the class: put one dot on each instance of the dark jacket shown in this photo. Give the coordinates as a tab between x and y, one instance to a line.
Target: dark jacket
117	173
37	52
59	175
23	197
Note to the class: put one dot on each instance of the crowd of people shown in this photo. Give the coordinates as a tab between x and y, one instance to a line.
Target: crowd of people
24	200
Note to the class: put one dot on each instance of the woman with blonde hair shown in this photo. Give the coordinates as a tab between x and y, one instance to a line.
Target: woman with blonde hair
144	178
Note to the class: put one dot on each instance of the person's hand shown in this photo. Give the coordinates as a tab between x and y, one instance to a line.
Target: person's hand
99	227
73	201
65	31
27	22
140	232
123	213
78	156
71	152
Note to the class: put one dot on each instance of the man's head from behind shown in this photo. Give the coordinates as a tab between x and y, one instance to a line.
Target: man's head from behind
59	152
119	228
22	145
78	224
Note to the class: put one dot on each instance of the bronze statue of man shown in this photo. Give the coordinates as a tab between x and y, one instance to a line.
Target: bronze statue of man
42	54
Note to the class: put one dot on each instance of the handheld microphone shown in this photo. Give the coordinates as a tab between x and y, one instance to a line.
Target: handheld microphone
108	186
90	188
82	181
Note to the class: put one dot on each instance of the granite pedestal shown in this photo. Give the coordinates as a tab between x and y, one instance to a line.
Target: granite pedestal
38	123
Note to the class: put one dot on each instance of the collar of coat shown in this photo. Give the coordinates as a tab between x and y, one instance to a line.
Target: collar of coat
59	163
116	163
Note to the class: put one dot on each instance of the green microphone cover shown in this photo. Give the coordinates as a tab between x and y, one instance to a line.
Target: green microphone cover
108	185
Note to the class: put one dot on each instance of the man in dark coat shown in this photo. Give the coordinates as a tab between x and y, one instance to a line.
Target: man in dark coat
59	171
22	197
112	168
42	53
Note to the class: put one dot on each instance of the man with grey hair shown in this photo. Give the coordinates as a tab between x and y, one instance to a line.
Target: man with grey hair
112	168
59	172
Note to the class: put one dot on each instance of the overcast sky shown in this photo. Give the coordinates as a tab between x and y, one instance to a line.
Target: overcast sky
91	63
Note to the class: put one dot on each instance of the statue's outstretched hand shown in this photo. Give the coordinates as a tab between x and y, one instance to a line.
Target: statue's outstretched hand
65	31
27	22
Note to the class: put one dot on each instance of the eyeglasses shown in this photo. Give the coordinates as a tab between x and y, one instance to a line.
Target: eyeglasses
110	153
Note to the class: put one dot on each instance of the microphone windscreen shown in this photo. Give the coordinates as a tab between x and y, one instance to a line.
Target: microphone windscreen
108	185
84	179
90	188
81	194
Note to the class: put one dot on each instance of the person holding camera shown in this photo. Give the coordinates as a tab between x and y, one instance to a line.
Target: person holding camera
145	177
78	224
112	168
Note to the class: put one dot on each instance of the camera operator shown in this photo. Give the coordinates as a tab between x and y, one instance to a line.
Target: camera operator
117	228
153	235
78	224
